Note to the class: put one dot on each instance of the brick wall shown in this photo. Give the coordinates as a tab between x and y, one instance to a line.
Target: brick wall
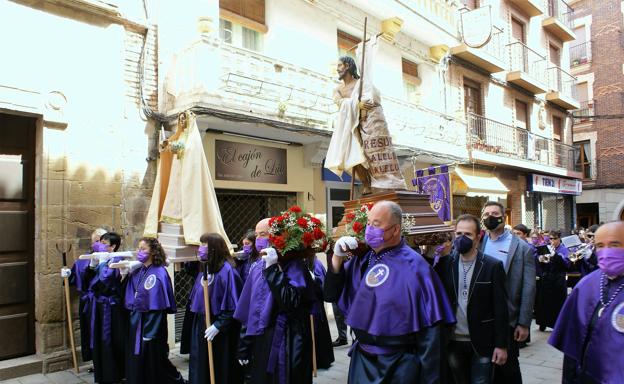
608	90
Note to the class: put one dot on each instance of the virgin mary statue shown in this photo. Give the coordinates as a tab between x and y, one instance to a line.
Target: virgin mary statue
183	192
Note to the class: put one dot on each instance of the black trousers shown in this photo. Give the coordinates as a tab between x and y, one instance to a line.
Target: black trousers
340	322
509	373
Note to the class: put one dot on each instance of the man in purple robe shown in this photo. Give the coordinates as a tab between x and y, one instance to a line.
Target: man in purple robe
274	309
394	302
590	327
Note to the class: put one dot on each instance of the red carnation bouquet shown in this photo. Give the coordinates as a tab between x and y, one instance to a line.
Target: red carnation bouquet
294	230
356	221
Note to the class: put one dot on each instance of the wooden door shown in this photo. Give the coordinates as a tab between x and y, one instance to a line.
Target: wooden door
17	176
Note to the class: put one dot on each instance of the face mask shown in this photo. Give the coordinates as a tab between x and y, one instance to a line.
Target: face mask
463	244
99	247
438	250
202	252
611	261
492	222
142	256
247	248
374	236
261	243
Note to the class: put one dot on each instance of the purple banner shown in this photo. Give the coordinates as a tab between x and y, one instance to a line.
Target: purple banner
436	184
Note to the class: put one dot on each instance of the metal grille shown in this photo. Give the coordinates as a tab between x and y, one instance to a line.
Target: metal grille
465	204
557	212
530	218
183	283
241	210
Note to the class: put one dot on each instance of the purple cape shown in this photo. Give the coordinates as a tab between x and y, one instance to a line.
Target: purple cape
78	278
149	289
223	289
607	338
255	305
319	270
398	295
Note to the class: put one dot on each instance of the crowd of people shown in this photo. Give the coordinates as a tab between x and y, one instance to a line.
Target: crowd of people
453	312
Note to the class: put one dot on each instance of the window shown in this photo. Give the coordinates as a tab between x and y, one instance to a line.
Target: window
522	115
554	55
411	81
557	123
583	157
240	36
472	97
517	30
345	43
242	23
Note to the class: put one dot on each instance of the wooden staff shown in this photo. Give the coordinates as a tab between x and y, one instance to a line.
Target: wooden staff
313	346
207	309
70	323
358	135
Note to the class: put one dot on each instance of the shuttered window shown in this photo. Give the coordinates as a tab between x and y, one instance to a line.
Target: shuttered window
411	81
345	43
248	13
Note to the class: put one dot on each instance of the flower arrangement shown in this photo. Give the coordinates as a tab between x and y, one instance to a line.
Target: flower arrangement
294	230
356	221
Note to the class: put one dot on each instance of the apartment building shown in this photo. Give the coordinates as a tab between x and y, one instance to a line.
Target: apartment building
516	92
596	56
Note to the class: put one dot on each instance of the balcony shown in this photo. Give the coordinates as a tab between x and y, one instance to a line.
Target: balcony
425	130
494	142
561	89
240	81
490	57
585	113
526	68
559	19
580	54
530	7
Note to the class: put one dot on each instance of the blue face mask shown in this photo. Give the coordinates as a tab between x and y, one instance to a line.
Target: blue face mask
374	236
202	252
261	243
463	244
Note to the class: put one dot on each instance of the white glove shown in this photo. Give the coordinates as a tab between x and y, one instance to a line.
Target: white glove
313	275
104	257
65	272
270	258
129	267
243	362
344	245
94	262
211	332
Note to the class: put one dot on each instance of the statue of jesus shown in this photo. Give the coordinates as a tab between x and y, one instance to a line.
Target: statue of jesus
361	144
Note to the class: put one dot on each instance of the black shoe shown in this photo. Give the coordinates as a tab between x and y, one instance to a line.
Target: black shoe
339	343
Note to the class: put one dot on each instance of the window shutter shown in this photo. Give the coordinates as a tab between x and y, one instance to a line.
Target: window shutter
347	41
254	10
410	68
248	13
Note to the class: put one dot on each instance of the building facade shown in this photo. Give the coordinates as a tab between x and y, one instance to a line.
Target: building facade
515	91
598	121
77	152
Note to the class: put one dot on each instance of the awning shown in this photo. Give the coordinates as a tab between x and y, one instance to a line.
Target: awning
474	183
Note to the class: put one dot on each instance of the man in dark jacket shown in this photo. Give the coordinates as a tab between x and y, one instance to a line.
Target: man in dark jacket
519	264
475	285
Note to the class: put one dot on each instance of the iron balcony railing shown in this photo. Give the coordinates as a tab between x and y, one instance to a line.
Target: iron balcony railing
561	11
580	54
562	82
523	58
504	140
585	112
496	45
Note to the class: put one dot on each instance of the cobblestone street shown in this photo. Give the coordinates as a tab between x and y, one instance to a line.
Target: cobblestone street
540	364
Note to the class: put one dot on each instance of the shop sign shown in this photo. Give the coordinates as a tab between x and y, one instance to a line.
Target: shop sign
550	184
251	163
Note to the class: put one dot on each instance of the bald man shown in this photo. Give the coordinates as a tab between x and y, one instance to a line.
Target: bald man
590	327
274	309
393	301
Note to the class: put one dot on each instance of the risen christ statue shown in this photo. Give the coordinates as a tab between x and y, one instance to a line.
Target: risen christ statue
361	144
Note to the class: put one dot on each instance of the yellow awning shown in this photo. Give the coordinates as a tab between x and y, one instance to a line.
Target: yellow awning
478	183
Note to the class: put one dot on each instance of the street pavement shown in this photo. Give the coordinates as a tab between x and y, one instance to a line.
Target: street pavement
540	364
